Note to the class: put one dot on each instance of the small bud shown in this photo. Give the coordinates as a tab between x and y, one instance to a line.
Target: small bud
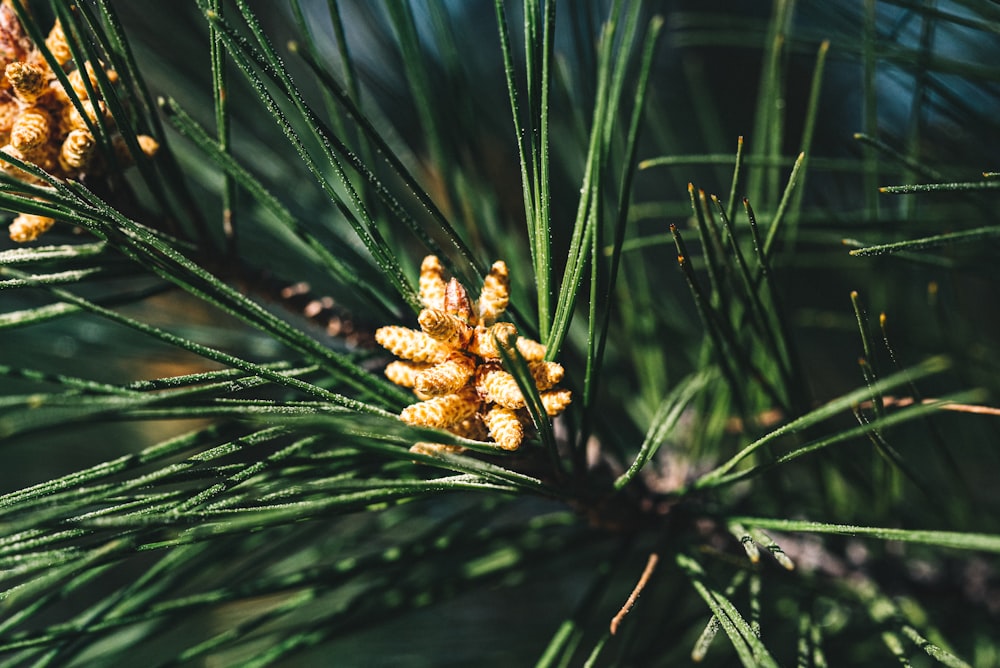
456	300
441	411
80	88
72	120
77	150
27	81
546	374
147	145
445	327
505	427
28	227
31	130
483	342
532	351
410	344
10	169
447	377
556	401
432	284
497	386
404	373
495	295
57	44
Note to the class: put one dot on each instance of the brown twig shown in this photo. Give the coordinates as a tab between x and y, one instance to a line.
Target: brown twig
643	580
961	408
772	417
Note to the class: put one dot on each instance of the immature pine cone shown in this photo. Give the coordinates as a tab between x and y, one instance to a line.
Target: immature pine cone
453	364
40	124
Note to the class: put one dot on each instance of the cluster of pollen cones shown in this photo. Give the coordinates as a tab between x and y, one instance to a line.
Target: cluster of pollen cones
40	121
452	362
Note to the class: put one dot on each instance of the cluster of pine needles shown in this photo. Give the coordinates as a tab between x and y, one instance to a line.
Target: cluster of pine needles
668	410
